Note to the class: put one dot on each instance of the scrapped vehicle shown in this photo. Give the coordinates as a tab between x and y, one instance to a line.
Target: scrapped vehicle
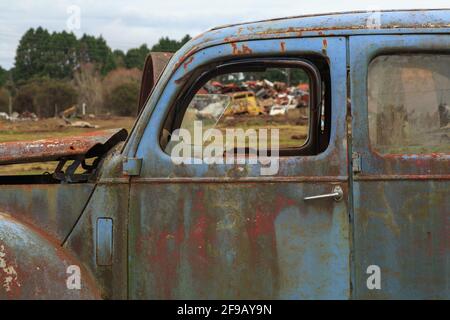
277	110
358	207
243	103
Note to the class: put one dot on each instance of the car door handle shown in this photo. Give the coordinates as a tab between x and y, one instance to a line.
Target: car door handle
337	194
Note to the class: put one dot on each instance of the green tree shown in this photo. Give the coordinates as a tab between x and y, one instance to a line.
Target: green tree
168	45
135	58
31	54
57	55
41	54
123	100
96	50
61	58
4	74
4	100
119	58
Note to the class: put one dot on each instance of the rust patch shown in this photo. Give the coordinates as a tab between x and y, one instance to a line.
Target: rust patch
263	221
244	49
324	46
8	274
283	46
165	259
89	144
186	56
182	79
188	62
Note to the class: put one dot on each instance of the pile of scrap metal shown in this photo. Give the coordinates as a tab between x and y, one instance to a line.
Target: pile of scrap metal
15	116
272	98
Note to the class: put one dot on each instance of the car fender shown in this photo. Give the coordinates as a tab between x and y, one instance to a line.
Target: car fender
34	266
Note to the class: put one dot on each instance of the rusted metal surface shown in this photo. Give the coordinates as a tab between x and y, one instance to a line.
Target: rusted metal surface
336	15
154	66
401	201
241	241
402	227
53	208
108	201
33	266
223	231
89	144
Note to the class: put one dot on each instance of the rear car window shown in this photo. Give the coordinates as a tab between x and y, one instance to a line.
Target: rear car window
409	103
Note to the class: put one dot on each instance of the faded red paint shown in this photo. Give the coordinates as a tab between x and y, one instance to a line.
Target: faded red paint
165	259
199	202
202	237
263	222
165	253
198	236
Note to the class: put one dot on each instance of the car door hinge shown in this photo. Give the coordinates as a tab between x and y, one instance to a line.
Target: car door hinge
131	166
356	162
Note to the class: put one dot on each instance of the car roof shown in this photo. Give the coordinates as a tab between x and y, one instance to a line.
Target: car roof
331	24
411	17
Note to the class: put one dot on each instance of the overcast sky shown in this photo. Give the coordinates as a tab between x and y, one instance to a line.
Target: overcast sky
129	23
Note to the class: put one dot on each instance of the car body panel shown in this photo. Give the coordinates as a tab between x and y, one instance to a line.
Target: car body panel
401	203
225	231
34	266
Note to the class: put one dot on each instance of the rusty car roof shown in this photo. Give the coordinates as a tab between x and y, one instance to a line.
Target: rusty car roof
353	14
332	24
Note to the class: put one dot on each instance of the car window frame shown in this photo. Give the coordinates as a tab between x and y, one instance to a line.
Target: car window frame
373	147
202	76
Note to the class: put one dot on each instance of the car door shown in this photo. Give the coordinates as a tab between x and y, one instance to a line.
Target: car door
400	97
221	231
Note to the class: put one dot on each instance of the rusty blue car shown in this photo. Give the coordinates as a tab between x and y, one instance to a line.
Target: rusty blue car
357	206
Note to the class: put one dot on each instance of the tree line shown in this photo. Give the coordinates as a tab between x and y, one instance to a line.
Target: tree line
53	71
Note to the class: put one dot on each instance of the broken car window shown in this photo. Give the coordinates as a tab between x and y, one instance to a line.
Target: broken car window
408	102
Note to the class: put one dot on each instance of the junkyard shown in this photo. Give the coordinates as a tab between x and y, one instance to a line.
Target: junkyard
294	158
